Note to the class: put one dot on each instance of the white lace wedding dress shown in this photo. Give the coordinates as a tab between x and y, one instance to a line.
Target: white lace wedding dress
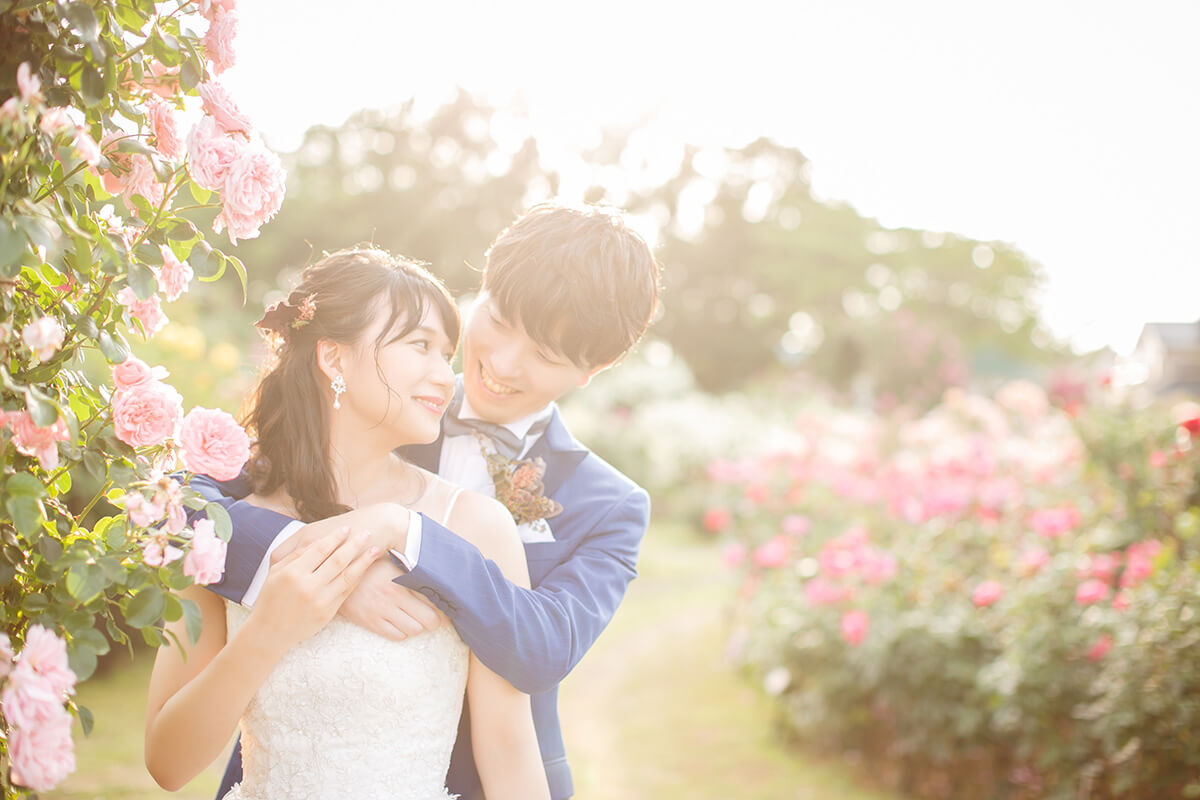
348	714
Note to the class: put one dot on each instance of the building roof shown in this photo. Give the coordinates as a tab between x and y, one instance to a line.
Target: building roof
1174	335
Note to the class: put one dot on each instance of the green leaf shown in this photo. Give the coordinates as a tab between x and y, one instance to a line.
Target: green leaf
26	513
82	662
25	485
141	278
134	145
200	194
113	350
87	326
93	462
85	582
206	262
34	603
114	570
174	610
12	248
83	19
62	484
92	638
92	87
183	230
115	536
50	548
189	77
86	720
43	410
193	618
145	608
222	524
240	268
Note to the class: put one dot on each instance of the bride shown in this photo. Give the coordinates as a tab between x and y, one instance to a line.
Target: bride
327	709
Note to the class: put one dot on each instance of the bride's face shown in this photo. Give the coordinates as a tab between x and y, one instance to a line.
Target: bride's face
400	387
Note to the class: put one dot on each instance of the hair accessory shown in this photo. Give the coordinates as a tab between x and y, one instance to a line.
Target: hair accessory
339	388
284	316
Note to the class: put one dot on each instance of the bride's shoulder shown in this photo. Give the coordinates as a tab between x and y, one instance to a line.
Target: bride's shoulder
481	520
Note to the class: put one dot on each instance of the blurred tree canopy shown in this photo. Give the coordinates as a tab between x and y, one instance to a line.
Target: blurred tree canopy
760	275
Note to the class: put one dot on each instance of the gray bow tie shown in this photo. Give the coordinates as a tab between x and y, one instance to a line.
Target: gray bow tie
507	443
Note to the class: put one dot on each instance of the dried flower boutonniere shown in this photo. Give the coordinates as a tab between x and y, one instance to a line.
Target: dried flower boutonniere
519	487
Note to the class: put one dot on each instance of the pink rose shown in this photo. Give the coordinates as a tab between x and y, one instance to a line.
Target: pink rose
734	555
148	312
44	336
213	444
1033	559
854	627
210	154
1054	522
40	443
28	698
877	567
1139	562
46	654
176	518
134	372
218	41
1158	459
146	414
28	84
9	110
141	180
6	656
142	512
158	552
220	106
821	592
43	755
205	562
1121	600
796	524
986	593
253	193
174	276
1100	648
86	146
716	519
774	553
210	8
162	124
55	120
1091	591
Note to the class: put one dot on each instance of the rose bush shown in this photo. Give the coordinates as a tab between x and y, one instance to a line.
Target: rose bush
97	176
998	599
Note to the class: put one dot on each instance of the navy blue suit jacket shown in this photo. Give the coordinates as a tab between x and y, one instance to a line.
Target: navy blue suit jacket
531	637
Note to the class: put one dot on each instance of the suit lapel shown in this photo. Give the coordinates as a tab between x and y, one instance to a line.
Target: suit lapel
560	451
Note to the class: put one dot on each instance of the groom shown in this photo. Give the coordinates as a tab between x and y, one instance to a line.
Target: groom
566	293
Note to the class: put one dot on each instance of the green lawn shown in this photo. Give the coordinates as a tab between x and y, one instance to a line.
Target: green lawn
654	711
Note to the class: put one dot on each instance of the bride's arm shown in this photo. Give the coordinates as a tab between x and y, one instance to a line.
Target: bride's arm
197	696
503	738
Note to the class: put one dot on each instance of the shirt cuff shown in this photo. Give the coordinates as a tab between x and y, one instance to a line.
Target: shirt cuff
264	566
412	543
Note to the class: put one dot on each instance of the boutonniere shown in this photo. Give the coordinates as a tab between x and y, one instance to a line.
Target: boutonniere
519	487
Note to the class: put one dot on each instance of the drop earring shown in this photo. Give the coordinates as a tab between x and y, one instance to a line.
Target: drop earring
339	388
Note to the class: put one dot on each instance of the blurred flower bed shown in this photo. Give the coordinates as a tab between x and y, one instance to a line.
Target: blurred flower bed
997	599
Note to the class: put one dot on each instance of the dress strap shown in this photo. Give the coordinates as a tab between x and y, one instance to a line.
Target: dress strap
450	505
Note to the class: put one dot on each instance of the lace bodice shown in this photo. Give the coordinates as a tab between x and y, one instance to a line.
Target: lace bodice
348	714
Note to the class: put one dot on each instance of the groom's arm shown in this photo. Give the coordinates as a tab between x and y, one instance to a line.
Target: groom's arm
254	530
533	637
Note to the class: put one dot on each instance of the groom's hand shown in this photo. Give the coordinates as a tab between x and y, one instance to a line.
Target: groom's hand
388	609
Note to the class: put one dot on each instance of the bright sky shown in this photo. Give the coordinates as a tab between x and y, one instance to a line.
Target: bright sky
1071	129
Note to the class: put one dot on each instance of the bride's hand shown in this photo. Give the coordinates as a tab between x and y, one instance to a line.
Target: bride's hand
386	524
304	589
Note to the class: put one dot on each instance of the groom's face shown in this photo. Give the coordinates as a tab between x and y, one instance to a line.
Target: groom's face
506	374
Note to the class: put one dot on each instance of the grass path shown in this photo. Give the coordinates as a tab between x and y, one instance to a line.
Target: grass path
653	711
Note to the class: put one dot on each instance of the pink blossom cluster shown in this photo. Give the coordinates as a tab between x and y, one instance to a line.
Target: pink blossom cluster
37	681
44	337
145	411
29	439
148	312
54	121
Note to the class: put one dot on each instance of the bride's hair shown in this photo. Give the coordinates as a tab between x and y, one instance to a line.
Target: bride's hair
288	412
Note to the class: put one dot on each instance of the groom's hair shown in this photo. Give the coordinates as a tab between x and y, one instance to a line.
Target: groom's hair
578	280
